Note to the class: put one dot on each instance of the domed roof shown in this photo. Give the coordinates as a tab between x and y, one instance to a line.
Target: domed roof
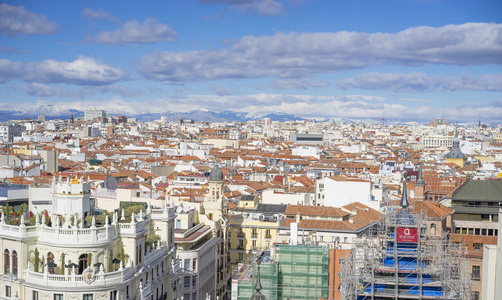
405	218
455	152
216	174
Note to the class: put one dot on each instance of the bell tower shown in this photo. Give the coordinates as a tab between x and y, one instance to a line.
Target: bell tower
420	185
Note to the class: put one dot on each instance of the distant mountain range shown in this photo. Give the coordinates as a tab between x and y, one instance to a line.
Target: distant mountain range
51	112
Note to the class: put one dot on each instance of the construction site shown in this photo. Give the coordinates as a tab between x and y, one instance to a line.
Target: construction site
399	259
287	272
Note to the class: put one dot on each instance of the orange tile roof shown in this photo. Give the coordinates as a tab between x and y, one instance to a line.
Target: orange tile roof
310	210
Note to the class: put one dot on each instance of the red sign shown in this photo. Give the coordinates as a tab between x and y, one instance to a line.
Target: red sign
406	235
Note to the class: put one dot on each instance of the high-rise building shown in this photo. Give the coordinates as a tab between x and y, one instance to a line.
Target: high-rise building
58	254
92	114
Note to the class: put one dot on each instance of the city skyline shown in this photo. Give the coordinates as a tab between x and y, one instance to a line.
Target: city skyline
402	60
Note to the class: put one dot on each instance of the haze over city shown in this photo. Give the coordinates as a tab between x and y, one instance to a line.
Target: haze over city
406	61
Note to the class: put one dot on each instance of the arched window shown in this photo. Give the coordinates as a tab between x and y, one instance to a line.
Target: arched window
50	262
433	229
82	263
6	261
14	262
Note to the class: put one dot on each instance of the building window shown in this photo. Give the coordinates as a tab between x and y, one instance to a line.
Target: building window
187	264
58	297
476	272
178	223
6	261
14	262
87	297
50	259
254	243
34	295
186	281
8	291
113	295
194	265
241	257
82	263
475	295
210	216
478	246
433	229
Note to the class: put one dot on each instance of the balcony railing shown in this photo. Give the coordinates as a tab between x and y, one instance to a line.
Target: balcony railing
76	280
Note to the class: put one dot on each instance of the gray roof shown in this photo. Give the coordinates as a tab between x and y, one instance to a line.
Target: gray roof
404	199
216	174
479	190
404	217
455	153
271	208
455	150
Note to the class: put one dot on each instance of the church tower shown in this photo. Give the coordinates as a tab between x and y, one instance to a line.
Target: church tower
455	155
420	185
216	211
215	204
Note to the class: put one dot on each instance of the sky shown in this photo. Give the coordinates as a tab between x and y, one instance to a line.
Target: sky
402	60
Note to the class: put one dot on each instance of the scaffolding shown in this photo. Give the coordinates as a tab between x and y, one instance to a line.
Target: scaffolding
383	266
293	272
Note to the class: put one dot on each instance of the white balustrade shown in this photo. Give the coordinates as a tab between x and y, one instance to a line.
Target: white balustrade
61	236
155	254
74	280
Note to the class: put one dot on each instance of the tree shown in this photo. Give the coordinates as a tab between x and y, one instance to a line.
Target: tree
23	208
62	264
155	238
37	259
110	261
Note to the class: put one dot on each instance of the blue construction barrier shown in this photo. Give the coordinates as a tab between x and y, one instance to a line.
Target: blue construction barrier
403	263
378	287
429	291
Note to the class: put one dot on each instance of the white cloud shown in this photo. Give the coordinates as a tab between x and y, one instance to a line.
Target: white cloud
122	91
415	100
82	71
400	82
265	8
235	2
16	20
285	84
150	31
99	14
40	90
219	90
296	55
262	7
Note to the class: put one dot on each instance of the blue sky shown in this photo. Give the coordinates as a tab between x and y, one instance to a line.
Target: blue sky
405	60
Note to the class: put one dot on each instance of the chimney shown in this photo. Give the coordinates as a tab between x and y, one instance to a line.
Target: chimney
297	217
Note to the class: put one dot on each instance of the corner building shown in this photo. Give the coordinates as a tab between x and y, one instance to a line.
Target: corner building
62	257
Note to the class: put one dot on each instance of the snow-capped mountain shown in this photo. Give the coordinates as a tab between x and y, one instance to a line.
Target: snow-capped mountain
51	111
